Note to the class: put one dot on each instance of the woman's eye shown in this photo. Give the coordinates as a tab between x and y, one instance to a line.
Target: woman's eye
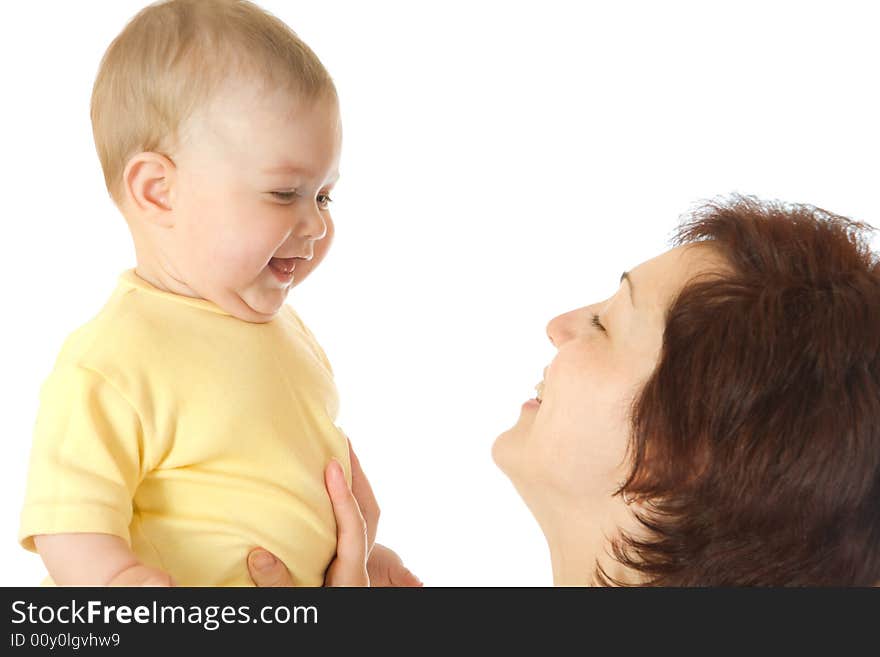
324	201
595	322
284	196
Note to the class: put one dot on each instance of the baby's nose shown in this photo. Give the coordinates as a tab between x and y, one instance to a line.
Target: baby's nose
311	226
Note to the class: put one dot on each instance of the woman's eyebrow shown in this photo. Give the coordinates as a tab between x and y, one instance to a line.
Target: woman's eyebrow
625	275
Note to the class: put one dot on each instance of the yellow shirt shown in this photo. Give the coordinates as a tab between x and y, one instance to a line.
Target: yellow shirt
193	435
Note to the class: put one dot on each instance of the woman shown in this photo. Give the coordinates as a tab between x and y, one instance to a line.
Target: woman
717	421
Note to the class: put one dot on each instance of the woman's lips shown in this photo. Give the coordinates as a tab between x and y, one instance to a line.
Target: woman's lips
535	402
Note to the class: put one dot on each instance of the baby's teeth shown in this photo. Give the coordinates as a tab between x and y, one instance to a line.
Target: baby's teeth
540	390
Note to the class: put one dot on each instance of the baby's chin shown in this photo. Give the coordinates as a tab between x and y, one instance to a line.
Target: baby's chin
260	304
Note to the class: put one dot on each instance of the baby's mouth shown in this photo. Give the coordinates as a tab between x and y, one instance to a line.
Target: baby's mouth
284	266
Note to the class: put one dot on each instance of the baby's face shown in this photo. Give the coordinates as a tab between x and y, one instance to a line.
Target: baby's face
251	186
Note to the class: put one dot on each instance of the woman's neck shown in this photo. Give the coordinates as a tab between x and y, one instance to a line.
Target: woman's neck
580	541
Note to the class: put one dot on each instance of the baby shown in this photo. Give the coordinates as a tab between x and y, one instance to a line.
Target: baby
191	420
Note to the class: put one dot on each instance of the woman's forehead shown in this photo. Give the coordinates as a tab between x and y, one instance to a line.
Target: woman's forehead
657	281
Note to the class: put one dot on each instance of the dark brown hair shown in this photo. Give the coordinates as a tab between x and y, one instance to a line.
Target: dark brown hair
756	441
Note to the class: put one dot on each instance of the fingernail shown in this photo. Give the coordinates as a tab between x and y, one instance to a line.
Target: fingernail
263	561
336	466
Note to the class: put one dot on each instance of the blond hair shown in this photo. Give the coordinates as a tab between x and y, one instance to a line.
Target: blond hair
171	59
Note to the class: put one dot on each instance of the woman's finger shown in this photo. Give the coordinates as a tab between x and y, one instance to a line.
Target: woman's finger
363	493
350	566
267	570
403	576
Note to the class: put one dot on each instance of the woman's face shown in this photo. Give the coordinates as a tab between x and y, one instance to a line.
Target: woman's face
574	442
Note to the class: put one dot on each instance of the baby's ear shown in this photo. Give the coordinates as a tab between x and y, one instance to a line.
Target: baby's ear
148	178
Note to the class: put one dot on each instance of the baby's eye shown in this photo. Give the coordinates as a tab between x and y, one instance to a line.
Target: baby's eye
595	322
324	201
284	196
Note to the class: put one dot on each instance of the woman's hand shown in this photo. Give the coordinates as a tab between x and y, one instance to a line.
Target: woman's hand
267	570
366	500
349	568
385	568
358	562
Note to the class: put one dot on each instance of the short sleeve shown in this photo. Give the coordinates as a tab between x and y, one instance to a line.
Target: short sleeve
85	461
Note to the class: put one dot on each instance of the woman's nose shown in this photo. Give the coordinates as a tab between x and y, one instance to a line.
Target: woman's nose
559	329
569	325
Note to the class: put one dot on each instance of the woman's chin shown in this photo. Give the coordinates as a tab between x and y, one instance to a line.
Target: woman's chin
498	452
507	448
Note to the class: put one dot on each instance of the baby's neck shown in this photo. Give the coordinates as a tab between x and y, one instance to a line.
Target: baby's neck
163	281
151	269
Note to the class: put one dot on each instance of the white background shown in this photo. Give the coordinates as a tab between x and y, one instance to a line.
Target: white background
503	162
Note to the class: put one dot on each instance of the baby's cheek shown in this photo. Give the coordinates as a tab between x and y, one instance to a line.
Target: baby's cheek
244	259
